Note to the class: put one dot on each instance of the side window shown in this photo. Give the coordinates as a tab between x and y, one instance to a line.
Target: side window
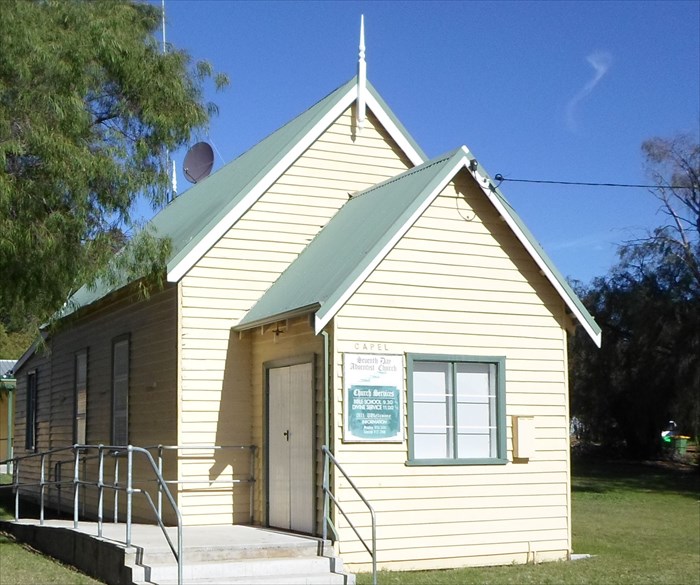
80	405
30	428
456	410
120	391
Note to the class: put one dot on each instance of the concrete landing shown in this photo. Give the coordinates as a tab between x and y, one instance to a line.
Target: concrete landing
212	554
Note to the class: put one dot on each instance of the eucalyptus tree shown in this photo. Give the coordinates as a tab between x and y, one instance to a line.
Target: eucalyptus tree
648	305
89	103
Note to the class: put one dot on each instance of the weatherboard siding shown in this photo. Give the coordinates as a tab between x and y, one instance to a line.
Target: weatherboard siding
151	327
459	283
218	291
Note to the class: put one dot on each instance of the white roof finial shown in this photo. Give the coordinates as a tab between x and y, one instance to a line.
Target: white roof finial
361	77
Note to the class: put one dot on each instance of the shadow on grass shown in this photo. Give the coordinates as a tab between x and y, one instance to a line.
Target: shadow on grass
27	508
601	476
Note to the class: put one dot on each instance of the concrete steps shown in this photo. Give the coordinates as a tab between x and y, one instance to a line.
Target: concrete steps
278	571
213	555
284	559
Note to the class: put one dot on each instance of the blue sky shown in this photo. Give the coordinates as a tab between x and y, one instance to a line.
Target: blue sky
536	90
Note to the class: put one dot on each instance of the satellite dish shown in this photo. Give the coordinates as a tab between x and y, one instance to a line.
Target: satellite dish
198	163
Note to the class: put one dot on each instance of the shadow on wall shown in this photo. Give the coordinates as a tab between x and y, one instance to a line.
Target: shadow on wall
234	426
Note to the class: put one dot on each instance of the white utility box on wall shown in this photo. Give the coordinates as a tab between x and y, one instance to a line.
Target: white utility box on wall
523	437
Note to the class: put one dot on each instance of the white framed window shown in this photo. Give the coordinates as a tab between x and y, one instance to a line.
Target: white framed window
120	391
80	400
30	412
456	409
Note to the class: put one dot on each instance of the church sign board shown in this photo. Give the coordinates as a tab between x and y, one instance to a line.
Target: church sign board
373	397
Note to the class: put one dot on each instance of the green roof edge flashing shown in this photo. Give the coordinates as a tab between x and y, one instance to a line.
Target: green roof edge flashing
400	222
326	299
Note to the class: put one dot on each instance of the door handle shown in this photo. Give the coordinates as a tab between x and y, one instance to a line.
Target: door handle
286	434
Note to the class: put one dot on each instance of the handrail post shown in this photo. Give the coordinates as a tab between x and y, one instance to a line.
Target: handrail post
160	487
116	485
326	505
100	487
129	490
42	483
57	472
15	475
327	494
76	486
251	490
374	548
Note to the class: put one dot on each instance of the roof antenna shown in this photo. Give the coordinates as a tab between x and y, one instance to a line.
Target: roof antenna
361	77
173	192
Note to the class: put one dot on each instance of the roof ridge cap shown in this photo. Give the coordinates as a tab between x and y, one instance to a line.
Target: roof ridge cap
407	173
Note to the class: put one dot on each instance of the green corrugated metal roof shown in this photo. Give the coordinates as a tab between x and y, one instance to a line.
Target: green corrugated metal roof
358	237
349	243
194	214
191	216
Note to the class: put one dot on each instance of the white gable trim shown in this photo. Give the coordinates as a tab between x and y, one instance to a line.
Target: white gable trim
323	316
217	232
385	120
203	246
484	183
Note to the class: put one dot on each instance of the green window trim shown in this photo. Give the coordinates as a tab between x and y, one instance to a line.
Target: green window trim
499	362
30	432
80	368
121	373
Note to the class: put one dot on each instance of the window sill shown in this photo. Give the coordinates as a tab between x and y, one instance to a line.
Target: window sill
441	462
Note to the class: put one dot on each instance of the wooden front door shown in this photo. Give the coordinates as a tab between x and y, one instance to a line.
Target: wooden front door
290	434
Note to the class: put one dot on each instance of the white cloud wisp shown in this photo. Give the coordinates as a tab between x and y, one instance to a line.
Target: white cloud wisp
600	62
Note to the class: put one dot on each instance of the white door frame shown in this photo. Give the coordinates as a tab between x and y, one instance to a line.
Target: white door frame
310	524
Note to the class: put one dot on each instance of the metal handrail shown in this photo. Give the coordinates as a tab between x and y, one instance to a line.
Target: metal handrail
81	454
101	486
232	482
328	495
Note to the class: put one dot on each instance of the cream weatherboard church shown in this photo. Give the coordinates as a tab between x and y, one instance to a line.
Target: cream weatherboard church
333	286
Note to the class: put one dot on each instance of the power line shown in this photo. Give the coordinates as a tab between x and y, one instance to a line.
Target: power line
500	178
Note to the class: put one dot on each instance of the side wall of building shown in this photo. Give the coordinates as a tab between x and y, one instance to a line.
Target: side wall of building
460	284
150	327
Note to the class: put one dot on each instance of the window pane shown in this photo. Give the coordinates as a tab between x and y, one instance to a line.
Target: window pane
79	434
432	410
473	418
430	446
80	430
430	380
473	382
474	446
120	393
429	416
30	418
120	435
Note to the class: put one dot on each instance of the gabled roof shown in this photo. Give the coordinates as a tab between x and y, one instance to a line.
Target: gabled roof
198	218
366	228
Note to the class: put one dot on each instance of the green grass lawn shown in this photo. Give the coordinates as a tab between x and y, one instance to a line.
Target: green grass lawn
20	565
641	523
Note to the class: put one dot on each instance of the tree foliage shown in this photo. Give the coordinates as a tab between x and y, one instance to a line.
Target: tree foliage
648	370
14	344
89	103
